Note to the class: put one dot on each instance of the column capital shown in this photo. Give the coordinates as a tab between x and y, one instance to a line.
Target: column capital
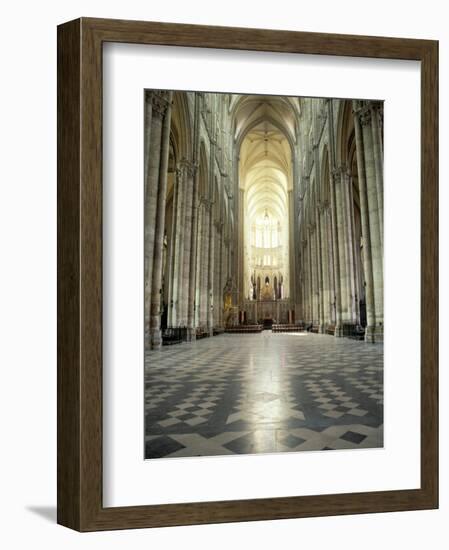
356	106
218	225
336	176
159	101
377	112
207	204
365	115
340	174
186	166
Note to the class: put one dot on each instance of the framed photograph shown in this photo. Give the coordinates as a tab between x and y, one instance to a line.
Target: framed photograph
247	274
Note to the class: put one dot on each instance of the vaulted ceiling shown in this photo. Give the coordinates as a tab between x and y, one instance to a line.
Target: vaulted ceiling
249	110
265	160
265	133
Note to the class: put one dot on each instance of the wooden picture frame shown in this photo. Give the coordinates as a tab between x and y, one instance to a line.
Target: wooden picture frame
80	503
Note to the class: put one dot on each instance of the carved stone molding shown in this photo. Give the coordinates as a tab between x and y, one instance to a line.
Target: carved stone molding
178	175
201	201
365	116
220	228
187	167
356	107
336	176
159	103
377	112
341	174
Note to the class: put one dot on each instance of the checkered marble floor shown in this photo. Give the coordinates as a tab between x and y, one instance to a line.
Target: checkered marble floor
263	393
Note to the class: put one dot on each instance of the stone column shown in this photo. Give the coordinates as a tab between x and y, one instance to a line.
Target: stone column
335	226
177	254
374	220
159	103
200	252
319	283
314	272
310	301
215	268
309	275
324	266
198	265
291	247
193	272
376	115
241	245
331	267
364	215
345	243
308	279
340	190
227	243
205	264
147	129
191	303
235	248
188	171
302	274
213	197
221	272
210	286
349	248
162	111
173	260
299	259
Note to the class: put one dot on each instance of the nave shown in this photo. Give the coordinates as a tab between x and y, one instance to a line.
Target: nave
263	308
262	210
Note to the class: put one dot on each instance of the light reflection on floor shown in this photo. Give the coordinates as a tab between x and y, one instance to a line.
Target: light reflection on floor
267	392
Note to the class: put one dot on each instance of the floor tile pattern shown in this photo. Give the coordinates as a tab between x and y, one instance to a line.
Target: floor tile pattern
263	393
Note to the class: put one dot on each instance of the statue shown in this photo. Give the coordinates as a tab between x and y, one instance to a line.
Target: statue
267	290
230	311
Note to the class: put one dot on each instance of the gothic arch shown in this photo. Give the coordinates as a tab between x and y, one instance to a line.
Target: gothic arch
266	118
203	172
181	127
345	132
325	177
216	200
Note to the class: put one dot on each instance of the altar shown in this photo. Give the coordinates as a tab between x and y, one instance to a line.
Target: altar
260	311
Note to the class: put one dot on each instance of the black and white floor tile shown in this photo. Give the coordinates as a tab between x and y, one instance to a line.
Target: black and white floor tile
263	393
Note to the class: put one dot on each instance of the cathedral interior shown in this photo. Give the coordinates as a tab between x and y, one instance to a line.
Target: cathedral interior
263	274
